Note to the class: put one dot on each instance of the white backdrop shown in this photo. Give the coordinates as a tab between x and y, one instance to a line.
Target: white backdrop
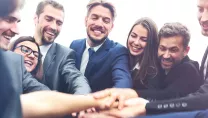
128	11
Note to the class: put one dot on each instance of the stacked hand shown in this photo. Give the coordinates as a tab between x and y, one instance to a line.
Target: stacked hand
118	103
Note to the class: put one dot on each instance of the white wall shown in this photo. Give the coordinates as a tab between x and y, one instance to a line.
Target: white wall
128	11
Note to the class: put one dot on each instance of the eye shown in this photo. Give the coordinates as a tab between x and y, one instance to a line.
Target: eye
10	19
133	35
161	48
25	50
47	18
59	23
106	20
174	50
36	54
94	17
200	9
144	39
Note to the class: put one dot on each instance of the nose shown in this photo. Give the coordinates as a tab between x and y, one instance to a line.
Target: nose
15	28
204	16
99	22
137	41
31	55
166	54
53	25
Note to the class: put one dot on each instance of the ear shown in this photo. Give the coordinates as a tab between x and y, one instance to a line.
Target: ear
85	21
35	19
186	50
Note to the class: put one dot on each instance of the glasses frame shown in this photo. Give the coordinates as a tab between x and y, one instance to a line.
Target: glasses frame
30	51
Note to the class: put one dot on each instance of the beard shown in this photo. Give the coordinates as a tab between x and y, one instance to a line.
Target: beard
95	41
46	40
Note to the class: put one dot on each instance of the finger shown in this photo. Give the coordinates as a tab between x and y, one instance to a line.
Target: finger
121	101
81	113
101	94
89	110
74	114
111	100
112	112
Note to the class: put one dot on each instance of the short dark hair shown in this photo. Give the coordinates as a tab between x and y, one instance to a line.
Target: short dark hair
104	3
14	44
175	29
44	3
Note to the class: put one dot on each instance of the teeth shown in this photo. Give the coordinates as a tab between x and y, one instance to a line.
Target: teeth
29	62
7	37
50	33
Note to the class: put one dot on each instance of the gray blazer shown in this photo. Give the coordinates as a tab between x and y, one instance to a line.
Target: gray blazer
25	82
60	72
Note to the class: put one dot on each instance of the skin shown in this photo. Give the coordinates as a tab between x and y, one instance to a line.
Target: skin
9	28
137	40
99	23
48	25
202	15
171	52
30	60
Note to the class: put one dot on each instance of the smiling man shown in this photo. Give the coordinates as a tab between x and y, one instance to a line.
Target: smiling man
102	61
59	68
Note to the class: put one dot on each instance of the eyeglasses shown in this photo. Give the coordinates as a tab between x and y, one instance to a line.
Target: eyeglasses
28	51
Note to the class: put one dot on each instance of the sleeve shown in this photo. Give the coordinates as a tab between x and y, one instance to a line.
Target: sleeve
188	80
189	103
120	69
74	79
29	83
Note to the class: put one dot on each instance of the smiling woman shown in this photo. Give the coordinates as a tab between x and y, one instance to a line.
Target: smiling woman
29	49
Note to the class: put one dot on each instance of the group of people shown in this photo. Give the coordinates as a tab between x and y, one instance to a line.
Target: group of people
153	75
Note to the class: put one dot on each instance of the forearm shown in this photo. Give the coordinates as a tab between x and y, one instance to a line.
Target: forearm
54	104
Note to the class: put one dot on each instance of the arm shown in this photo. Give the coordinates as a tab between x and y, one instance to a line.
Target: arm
54	104
76	81
120	69
188	80
29	83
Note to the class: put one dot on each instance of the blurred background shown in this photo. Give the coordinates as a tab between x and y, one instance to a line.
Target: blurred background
128	11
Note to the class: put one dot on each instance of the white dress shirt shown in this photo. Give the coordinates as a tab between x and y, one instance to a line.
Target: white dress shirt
85	56
44	49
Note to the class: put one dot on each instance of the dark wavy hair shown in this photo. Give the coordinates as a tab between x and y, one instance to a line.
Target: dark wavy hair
14	44
148	61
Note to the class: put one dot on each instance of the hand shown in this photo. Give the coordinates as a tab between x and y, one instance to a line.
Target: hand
119	94
90	110
95	115
133	107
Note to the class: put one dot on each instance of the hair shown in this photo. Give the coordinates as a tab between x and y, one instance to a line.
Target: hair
44	3
9	6
14	44
104	3
148	61
175	29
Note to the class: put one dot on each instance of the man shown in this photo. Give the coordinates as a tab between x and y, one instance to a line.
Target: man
26	82
59	68
181	74
102	61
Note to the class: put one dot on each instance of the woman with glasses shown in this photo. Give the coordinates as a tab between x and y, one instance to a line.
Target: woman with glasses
29	49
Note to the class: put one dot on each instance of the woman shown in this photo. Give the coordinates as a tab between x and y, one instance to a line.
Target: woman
142	43
29	49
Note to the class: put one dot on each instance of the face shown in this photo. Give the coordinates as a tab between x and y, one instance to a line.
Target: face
171	51
203	16
49	24
9	28
99	23
29	51
137	40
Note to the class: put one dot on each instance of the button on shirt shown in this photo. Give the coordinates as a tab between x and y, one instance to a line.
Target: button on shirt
85	56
